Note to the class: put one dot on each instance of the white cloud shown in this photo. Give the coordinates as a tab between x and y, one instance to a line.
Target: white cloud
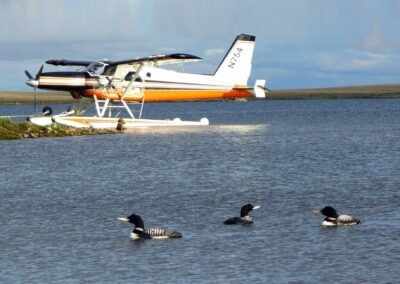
60	21
356	61
214	52
374	39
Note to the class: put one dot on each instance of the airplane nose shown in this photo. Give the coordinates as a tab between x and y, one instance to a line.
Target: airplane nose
33	83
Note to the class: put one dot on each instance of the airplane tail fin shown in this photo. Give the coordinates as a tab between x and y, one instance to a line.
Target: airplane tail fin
235	68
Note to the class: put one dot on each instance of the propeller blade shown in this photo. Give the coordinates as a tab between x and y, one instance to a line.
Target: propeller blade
29	75
40	72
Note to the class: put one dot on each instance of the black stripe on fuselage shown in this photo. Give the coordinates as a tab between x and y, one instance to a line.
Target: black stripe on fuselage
64	87
69	74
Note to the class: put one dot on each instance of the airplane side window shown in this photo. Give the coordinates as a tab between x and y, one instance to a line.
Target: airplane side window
129	76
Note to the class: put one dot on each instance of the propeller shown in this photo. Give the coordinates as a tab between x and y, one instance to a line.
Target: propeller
39	72
29	75
33	82
37	75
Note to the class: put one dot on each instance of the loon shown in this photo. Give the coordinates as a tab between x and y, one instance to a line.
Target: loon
333	219
139	232
244	218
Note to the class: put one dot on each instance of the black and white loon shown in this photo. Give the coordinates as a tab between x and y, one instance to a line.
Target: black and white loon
244	218
333	219
139	232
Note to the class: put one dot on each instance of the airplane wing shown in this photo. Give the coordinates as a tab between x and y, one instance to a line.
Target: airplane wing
64	62
155	59
162	59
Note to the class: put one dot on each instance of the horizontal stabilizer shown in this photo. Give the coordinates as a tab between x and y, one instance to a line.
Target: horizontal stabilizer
259	89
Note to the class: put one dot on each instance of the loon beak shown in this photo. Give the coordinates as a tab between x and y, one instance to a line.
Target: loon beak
123	219
317	211
256	206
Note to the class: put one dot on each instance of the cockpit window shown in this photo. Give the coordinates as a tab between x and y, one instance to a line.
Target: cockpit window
96	68
109	70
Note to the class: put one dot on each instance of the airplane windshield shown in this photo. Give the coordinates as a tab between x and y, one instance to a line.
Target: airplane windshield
96	68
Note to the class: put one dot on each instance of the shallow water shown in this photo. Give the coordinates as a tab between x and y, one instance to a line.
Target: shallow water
60	197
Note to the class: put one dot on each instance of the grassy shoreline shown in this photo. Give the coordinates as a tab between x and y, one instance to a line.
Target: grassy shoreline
10	130
30	98
355	92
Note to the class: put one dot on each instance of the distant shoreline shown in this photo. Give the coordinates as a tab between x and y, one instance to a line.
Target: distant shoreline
15	98
354	92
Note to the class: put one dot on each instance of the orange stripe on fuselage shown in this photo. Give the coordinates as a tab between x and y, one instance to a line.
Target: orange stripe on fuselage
169	95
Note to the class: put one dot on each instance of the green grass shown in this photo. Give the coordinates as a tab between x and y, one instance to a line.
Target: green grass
20	130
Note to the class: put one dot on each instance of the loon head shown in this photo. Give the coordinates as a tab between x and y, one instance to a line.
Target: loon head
329	211
134	219
244	211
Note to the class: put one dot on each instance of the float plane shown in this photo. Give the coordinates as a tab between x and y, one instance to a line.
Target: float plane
142	80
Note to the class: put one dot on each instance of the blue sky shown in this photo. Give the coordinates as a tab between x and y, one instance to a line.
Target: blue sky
300	43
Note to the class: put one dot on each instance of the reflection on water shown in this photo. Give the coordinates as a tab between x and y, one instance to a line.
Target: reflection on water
197	129
240	127
60	197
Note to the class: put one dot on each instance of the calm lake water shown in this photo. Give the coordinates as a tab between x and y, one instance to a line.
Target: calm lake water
60	197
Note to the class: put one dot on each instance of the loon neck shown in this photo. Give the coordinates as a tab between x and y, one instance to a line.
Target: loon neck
138	230
333	215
